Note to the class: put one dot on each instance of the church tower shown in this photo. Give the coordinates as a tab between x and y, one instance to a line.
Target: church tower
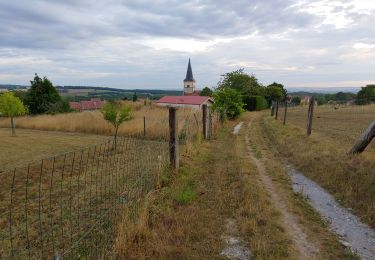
189	81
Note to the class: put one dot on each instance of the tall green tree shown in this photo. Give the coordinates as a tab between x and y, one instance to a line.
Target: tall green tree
275	92
116	113
41	95
206	91
228	102
11	106
366	95
242	82
135	97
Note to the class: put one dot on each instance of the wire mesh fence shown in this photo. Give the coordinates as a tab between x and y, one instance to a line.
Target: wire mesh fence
67	206
343	122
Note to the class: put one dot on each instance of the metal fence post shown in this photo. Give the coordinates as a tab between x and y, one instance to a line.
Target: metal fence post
173	138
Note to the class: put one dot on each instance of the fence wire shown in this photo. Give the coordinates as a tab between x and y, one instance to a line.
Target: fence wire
67	206
343	122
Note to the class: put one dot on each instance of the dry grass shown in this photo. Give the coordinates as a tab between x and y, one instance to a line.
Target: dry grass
186	219
351	179
69	203
92	122
31	145
313	226
344	124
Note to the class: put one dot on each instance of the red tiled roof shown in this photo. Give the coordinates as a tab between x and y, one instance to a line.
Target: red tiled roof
87	105
187	100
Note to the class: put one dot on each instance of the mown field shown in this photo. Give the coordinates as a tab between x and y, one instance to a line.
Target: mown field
31	145
324	155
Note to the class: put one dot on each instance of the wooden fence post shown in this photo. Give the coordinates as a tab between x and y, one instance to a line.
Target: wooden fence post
277	110
209	122
204	120
310	115
285	111
144	126
364	140
173	138
272	108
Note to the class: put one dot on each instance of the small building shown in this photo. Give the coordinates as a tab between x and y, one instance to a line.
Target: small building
190	98
195	102
93	104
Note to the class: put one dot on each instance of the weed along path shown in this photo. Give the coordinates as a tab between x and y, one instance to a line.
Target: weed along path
305	248
354	234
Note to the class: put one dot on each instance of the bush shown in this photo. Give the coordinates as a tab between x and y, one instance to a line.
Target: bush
255	103
228	102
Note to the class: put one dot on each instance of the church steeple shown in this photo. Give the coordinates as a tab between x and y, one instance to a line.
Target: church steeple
189	73
189	81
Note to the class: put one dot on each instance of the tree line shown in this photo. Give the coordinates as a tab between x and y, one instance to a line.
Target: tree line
238	91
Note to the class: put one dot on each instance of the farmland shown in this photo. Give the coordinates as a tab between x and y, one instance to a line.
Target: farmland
31	145
92	122
128	197
324	155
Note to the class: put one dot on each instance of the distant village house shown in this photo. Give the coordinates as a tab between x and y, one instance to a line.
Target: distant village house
93	104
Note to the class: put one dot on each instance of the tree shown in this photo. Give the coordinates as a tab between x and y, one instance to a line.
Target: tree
296	100
135	97
11	106
41	96
228	102
116	114
242	82
206	91
275	92
366	95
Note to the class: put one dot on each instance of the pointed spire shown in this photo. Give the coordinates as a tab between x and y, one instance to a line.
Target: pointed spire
189	73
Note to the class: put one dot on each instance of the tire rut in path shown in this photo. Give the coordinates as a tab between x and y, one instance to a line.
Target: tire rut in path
305	248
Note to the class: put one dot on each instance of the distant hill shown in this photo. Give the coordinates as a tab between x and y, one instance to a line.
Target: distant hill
78	93
332	90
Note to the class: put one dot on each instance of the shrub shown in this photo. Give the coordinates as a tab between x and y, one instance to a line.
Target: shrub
229	102
255	103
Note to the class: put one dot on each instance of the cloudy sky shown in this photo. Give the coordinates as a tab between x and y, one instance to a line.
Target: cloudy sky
146	44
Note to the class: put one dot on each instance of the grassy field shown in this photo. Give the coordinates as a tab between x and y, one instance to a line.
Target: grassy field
92	122
31	145
187	218
323	156
68	204
342	123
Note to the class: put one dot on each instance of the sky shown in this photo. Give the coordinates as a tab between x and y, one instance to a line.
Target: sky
147	44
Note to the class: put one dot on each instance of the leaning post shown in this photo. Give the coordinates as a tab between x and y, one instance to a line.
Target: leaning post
310	115
173	138
285	111
204	121
364	140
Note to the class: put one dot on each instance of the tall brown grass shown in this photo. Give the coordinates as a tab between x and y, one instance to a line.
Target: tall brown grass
324	158
92	121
